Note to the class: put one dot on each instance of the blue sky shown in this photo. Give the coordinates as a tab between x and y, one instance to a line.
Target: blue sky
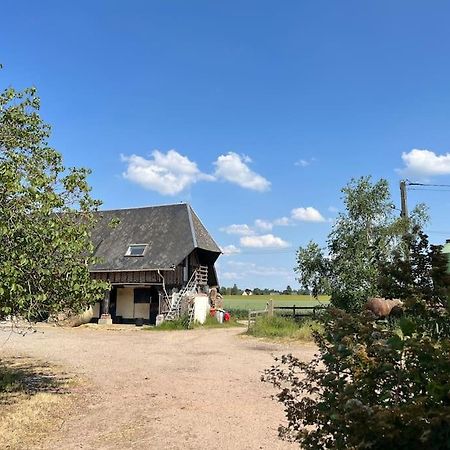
249	110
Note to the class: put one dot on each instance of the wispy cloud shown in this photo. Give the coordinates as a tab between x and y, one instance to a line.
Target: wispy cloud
245	269
263	225
241	229
231	249
304	162
282	221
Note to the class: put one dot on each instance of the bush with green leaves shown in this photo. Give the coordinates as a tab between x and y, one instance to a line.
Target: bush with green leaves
46	218
378	384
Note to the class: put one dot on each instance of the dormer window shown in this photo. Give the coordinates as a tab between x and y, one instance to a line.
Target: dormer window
136	250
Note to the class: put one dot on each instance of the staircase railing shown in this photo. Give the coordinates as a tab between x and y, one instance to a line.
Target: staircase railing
189	289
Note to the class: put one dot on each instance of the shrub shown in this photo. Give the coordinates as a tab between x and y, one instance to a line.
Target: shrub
238	313
377	385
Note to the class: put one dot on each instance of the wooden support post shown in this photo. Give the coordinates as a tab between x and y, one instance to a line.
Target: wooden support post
404	199
293	311
270	308
105	318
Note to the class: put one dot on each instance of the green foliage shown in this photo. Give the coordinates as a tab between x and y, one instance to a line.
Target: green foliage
284	328
238	313
313	269
363	238
372	384
46	218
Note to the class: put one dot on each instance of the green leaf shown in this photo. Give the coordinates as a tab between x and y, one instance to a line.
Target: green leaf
396	342
407	326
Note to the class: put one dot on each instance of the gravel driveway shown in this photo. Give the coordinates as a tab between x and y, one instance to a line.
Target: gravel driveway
196	389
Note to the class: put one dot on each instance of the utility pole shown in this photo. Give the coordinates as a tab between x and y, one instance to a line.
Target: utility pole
404	199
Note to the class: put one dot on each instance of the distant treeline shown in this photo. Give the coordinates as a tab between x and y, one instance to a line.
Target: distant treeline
235	290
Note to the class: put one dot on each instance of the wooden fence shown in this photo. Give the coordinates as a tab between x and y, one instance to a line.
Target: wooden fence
294	311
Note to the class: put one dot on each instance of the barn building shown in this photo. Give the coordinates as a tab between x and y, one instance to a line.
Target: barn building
148	255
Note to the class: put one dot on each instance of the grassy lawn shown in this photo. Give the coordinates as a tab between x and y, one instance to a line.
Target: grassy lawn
284	328
256	302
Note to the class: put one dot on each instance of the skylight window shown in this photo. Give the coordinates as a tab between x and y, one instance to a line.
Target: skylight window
136	250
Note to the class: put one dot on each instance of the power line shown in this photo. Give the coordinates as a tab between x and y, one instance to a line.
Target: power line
411	183
427	189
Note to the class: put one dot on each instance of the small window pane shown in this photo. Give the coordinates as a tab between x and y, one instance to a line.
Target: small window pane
136	250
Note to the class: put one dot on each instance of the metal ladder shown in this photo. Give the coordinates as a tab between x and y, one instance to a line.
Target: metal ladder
190	288
191	314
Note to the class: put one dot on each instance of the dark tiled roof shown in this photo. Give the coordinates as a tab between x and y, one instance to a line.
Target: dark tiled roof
171	233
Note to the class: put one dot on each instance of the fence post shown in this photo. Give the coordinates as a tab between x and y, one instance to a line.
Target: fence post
270	308
293	311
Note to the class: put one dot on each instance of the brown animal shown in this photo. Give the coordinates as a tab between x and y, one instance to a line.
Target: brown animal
383	307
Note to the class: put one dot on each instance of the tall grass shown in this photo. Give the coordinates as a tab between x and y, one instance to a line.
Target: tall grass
284	328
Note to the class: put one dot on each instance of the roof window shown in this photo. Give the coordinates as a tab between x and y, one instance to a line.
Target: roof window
136	250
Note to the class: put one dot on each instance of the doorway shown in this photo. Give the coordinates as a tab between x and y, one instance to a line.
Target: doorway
154	305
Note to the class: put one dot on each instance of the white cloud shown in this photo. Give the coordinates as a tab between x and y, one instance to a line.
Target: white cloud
247	269
231	276
302	163
263	241
168	174
308	214
230	250
263	225
425	163
282	221
240	229
233	168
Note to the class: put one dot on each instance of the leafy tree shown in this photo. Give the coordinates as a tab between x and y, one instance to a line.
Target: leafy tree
235	290
372	384
288	290
223	290
313	269
362	239
46	218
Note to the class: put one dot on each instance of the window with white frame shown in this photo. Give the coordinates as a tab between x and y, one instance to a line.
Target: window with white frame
136	250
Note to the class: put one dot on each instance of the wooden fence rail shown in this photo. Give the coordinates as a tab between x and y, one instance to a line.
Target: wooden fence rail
294	311
299	311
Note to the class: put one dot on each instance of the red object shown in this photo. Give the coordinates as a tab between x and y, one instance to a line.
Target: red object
226	317
212	312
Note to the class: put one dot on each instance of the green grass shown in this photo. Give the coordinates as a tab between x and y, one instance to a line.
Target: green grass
257	302
169	325
277	327
181	324
10	380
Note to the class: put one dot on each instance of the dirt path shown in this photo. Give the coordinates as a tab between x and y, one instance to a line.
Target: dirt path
197	389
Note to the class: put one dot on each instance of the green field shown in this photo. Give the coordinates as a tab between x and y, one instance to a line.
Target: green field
256	302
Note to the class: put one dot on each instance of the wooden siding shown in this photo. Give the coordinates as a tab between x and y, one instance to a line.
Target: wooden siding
171	277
